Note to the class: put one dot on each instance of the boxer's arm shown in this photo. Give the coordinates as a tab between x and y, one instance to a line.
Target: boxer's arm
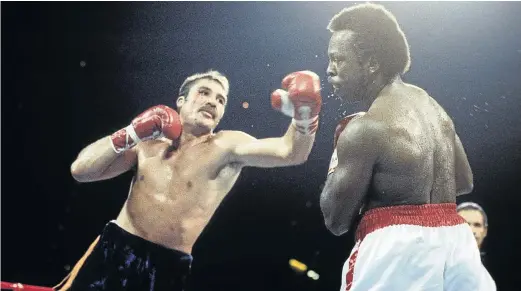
300	99
464	177
115	154
98	161
345	188
291	149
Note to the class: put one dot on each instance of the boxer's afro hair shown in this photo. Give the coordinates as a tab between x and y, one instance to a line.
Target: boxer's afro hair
377	34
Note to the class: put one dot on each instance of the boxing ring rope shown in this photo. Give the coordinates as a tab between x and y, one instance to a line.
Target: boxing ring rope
63	285
25	287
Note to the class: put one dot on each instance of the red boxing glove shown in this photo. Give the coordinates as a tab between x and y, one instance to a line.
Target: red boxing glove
339	128
301	100
153	123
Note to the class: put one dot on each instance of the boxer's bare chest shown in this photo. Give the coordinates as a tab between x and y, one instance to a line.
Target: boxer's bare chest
194	176
176	191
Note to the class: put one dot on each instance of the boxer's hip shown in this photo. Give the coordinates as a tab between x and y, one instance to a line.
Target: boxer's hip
412	247
426	215
119	260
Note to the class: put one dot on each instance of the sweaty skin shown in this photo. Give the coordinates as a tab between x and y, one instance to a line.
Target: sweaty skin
175	192
403	151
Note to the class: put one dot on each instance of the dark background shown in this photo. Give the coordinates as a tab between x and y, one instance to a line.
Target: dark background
466	55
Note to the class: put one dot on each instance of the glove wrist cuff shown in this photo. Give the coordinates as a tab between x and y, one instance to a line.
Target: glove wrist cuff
124	139
307	127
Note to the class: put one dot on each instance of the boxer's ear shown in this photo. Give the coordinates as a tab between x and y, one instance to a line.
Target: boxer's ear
180	101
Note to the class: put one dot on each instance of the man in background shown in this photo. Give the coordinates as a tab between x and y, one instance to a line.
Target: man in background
477	220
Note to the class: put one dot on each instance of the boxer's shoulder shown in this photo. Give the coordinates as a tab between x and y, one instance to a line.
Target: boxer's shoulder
413	89
363	135
366	125
232	138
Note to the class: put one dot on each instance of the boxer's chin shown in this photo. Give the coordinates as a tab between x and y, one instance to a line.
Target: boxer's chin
205	126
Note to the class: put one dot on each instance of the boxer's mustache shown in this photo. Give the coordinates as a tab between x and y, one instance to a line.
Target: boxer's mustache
210	109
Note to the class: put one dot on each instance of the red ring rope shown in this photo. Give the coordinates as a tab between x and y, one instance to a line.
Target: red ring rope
24	287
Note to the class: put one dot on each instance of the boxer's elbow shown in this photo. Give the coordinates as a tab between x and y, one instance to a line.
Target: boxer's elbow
79	172
76	171
330	225
334	227
469	188
465	189
332	222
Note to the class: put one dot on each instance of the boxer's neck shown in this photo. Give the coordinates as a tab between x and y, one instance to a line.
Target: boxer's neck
376	88
189	138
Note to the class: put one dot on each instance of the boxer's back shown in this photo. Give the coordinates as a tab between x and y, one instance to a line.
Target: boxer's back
416	165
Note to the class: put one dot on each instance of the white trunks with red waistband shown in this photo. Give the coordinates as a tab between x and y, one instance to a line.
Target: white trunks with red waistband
415	247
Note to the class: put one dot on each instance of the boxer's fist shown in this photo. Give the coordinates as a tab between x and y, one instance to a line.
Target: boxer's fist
303	91
300	99
343	123
155	122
